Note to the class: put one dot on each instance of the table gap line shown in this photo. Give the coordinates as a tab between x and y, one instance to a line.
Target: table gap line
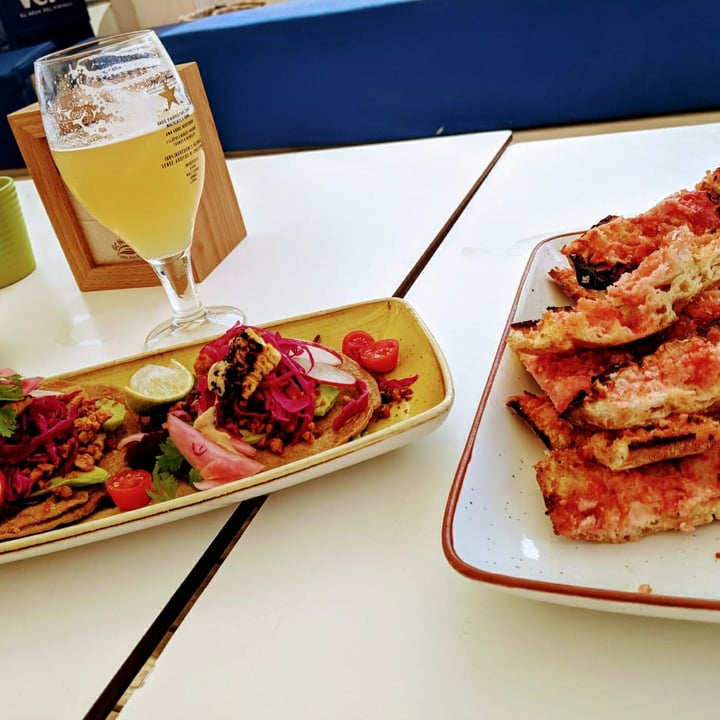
435	243
109	702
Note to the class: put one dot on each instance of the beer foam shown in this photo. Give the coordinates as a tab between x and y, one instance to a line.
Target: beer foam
114	96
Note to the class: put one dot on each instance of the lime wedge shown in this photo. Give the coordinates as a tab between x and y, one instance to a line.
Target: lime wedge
155	385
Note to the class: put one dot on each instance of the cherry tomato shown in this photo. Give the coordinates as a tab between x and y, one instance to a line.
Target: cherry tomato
128	488
355	342
381	356
2	488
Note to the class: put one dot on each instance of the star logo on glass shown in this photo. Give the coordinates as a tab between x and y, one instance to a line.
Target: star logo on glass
169	94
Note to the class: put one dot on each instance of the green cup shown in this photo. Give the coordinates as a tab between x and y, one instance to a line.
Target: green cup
16	256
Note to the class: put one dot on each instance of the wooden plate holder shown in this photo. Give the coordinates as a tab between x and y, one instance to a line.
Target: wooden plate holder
219	226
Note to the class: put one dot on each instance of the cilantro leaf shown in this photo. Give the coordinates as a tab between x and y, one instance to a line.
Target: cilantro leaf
165	484
8	422
194	477
169	463
10	391
169	459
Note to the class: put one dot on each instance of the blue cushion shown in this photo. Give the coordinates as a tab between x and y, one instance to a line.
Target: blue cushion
16	91
302	73
333	72
322	72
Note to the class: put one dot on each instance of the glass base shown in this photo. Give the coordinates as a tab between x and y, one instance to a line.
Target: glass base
216	321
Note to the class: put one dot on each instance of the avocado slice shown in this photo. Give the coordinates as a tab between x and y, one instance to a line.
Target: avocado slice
251	438
79	479
328	394
118	411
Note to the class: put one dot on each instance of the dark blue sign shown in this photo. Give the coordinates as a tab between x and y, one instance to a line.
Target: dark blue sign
28	22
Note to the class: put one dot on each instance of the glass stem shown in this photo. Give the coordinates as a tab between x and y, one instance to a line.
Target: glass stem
175	273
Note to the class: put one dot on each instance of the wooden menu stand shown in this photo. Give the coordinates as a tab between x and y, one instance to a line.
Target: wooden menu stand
219	226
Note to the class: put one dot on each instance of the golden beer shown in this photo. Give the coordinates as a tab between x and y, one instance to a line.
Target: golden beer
146	189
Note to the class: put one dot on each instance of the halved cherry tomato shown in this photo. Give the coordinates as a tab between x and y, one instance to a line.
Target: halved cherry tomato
128	488
355	342
381	356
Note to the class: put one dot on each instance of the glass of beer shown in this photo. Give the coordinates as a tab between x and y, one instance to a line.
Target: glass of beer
123	133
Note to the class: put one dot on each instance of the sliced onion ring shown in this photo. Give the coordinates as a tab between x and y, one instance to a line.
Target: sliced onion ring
323	373
322	354
128	439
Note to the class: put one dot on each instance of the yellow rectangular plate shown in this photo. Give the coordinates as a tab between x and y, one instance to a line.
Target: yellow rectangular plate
432	399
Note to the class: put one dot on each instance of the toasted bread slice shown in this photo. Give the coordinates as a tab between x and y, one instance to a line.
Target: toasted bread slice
566	281
704	309
672	437
617	245
542	417
681	376
639	304
565	376
587	501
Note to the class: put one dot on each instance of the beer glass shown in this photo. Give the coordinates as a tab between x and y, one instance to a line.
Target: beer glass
123	133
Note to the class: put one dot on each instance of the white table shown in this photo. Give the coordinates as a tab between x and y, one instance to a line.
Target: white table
337	602
325	228
358	217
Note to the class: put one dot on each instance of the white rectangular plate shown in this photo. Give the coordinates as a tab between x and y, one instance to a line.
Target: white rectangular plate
432	398
495	529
